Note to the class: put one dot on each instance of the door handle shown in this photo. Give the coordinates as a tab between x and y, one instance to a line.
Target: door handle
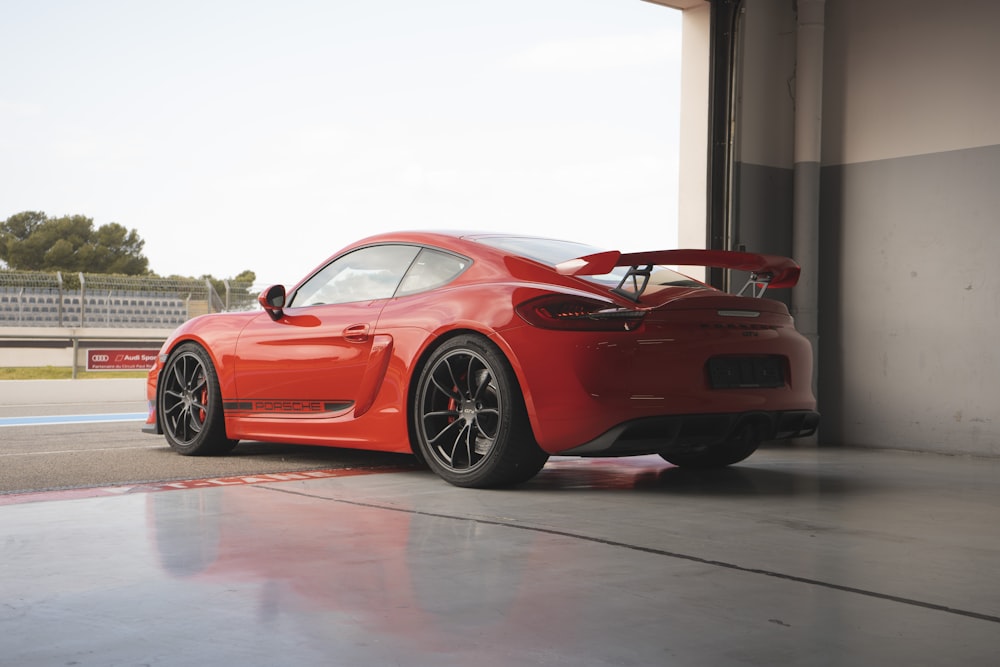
356	333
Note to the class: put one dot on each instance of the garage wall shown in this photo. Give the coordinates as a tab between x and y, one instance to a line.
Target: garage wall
910	225
909	211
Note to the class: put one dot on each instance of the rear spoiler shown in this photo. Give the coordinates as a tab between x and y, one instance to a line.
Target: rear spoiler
765	270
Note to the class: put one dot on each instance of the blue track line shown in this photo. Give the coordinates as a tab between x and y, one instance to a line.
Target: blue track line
73	419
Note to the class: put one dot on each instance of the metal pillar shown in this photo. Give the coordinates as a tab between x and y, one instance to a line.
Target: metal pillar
721	104
808	140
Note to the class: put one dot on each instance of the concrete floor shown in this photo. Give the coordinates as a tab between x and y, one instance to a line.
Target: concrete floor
799	556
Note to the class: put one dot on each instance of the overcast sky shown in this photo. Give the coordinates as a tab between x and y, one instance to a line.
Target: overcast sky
235	134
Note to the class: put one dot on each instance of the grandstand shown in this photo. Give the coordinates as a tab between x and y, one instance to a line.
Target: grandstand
124	309
35	299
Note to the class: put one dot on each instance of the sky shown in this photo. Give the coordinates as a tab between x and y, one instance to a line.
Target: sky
241	135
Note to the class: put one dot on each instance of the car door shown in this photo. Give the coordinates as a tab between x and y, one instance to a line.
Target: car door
311	361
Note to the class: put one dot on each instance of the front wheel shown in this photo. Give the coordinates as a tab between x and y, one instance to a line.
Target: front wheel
469	418
190	404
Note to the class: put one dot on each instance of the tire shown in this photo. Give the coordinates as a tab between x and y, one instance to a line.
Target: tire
718	455
189	404
469	419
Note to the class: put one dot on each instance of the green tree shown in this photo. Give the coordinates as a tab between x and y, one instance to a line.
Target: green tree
21	225
31	241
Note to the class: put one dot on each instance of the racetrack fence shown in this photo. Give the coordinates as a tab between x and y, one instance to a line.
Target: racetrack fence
40	299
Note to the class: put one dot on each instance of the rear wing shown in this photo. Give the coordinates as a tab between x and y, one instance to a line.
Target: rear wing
765	270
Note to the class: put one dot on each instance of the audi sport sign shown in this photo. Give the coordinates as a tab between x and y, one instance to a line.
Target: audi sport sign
120	360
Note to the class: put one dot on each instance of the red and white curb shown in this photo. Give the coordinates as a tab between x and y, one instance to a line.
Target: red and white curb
215	482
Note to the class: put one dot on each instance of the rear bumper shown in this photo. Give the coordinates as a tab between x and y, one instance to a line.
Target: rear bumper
651	435
670	376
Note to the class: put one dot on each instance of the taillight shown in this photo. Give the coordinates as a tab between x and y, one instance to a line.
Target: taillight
557	311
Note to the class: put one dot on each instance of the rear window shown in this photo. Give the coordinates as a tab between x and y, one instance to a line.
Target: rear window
431	269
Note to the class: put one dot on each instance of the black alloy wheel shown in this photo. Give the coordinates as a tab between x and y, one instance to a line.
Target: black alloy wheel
469	417
189	404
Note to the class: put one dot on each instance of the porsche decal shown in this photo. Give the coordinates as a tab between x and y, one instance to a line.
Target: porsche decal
289	407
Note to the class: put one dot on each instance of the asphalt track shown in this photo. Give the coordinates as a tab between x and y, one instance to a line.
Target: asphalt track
73	434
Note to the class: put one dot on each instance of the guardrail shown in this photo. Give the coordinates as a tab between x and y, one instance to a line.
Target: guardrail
48	343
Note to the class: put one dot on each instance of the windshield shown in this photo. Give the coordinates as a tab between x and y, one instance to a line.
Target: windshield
553	252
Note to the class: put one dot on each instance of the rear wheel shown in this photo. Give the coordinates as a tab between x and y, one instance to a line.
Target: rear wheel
190	404
469	418
744	442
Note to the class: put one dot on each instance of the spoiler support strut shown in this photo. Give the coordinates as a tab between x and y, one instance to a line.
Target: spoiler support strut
757	283
633	274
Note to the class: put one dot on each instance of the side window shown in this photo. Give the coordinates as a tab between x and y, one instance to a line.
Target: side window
431	269
362	275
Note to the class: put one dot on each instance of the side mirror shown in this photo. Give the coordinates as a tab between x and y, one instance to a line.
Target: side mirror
272	300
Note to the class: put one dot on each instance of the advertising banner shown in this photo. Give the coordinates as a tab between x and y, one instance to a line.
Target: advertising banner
120	360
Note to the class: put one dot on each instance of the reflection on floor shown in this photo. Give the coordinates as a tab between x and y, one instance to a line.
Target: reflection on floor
798	556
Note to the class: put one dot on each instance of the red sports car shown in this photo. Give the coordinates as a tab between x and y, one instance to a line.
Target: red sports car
484	354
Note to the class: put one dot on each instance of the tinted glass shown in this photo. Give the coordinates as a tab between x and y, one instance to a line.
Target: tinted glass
431	269
363	275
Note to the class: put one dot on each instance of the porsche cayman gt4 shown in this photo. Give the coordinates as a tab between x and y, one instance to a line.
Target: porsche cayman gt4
484	354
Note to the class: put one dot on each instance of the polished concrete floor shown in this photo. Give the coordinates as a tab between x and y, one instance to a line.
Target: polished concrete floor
800	556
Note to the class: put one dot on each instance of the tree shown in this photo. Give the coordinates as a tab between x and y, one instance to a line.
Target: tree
31	241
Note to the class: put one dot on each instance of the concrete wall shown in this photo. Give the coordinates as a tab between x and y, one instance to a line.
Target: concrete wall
910	302
910	225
